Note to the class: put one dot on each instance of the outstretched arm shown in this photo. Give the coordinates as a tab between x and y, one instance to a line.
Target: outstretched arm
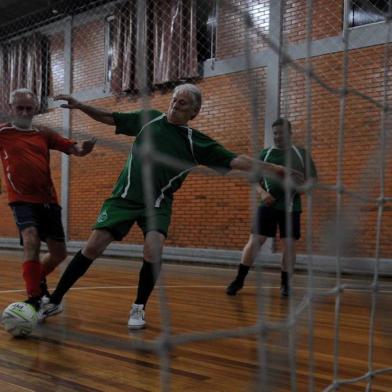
97	114
85	148
247	164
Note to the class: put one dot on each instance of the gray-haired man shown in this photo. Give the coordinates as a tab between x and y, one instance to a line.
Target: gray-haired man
170	136
25	154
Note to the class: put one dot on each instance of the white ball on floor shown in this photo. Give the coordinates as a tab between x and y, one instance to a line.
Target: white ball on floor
19	319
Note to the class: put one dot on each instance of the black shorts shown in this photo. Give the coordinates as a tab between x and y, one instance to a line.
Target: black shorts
45	217
268	219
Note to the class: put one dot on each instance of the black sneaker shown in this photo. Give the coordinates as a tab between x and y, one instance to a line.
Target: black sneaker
284	284
285	290
234	286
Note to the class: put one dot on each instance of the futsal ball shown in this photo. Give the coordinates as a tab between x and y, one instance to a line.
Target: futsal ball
19	319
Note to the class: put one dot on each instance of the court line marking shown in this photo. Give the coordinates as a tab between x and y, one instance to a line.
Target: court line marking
190	287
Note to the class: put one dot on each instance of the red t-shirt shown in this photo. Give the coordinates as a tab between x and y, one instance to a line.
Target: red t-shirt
26	162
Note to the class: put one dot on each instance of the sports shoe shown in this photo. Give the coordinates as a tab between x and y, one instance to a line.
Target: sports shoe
285	284
284	291
48	309
234	286
136	317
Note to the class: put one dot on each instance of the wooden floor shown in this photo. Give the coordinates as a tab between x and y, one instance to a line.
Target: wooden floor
88	348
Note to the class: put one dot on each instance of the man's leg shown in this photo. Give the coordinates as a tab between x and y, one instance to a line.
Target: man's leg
289	248
149	273
32	266
51	228
264	226
287	266
289	256
57	253
96	244
248	257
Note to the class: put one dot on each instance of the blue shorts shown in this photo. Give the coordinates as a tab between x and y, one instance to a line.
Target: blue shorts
268	219
46	218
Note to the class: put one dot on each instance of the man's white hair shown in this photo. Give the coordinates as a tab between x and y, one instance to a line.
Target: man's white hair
22	91
193	90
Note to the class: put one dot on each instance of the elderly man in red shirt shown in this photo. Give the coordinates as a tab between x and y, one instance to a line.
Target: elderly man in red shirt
25	154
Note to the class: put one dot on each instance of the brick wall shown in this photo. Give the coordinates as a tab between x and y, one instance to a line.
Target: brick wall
361	150
231	28
88	46
327	17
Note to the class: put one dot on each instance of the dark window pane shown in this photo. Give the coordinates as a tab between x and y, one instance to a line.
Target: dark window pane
364	12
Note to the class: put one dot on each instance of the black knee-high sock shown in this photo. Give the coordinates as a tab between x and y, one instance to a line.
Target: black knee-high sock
242	272
75	269
284	279
147	278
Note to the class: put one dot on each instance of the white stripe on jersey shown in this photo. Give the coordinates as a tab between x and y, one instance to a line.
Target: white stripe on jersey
12	183
299	155
158	201
296	150
126	189
169	184
190	134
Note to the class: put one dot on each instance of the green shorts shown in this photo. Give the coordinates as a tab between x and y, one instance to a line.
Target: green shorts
118	216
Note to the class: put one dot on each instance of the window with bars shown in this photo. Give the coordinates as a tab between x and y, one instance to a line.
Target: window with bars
193	42
364	12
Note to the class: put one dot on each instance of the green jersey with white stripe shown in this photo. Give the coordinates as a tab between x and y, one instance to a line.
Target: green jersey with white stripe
298	158
175	151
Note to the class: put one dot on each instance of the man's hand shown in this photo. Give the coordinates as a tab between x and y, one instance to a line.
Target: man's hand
267	198
97	114
72	102
86	147
297	176
277	170
258	168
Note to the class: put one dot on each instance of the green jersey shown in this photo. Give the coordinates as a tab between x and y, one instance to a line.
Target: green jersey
298	158
187	146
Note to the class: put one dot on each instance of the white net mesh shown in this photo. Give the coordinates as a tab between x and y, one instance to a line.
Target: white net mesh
254	60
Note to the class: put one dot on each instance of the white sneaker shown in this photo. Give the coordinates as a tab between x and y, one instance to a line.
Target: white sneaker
48	309
136	317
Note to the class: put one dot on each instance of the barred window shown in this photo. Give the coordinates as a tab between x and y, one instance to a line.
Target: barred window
363	12
180	35
207	20
25	62
109	40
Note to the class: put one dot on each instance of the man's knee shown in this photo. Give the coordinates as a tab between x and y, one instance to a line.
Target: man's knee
91	251
59	256
30	236
97	243
256	241
289	243
153	246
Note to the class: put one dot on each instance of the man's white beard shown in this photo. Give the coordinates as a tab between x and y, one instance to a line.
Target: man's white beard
22	122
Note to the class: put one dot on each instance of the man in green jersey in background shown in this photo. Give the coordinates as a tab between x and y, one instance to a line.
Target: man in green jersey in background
148	202
275	208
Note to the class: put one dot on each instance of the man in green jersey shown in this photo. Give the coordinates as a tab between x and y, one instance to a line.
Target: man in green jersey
276	208
149	202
